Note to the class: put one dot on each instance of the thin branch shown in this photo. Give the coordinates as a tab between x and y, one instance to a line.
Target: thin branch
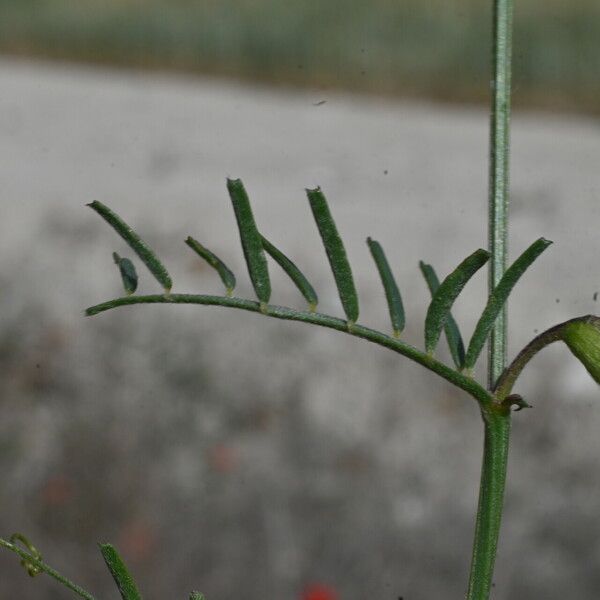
508	378
461	381
46	569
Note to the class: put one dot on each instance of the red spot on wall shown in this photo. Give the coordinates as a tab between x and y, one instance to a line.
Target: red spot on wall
319	591
57	490
222	458
137	540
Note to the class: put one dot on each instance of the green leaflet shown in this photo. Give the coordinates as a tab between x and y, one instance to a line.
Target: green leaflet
453	336
227	277
118	570
392	293
336	253
137	244
293	272
128	273
446	294
196	596
498	298
251	240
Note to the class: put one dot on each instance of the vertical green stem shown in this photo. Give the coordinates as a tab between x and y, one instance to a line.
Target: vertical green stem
496	420
499	169
491	496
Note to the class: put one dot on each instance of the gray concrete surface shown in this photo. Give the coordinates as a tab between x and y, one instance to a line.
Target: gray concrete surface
244	457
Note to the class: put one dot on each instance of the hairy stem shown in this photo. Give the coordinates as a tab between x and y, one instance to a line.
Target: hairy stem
461	381
498	176
491	497
496	419
29	558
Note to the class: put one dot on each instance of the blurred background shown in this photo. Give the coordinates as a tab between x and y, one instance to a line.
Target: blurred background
225	452
434	48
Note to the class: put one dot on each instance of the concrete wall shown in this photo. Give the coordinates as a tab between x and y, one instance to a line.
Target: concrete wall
246	457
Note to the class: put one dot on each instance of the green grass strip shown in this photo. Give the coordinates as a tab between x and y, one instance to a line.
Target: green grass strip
196	596
293	272
392	293
226	275
446	294
251	240
121	575
453	336
336	253
128	273
498	298
136	243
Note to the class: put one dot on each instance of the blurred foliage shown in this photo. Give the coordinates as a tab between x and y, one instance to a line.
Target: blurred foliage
435	48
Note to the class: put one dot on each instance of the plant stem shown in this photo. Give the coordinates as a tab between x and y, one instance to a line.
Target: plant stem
498	176
496	419
29	558
491	496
